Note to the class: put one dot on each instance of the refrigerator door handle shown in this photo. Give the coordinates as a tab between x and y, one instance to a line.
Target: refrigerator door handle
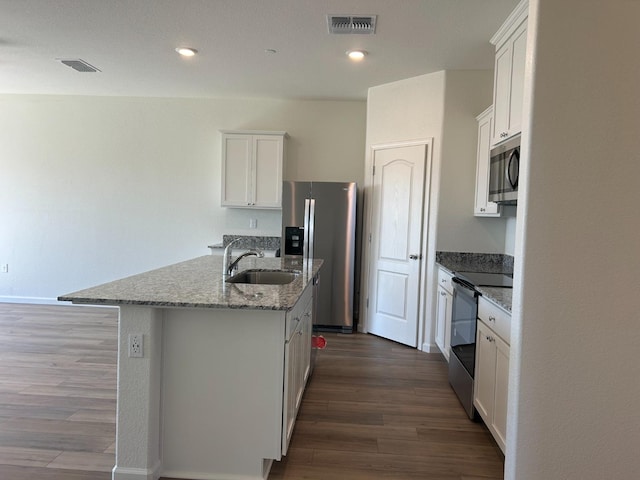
312	221
305	247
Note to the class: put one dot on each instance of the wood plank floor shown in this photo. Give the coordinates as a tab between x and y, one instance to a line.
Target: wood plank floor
373	409
57	392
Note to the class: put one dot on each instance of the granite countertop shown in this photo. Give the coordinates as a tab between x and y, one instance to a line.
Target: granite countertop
199	283
249	241
481	262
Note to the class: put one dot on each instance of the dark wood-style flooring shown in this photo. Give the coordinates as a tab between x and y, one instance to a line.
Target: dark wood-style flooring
373	409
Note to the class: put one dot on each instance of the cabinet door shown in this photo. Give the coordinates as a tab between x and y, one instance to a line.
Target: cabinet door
483	207
292	376
484	381
267	174
237	153
443	321
307	328
518	53
499	423
501	93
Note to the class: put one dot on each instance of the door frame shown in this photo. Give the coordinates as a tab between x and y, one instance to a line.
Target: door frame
427	247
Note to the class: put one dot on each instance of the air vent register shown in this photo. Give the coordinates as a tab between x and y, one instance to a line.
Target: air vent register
351	24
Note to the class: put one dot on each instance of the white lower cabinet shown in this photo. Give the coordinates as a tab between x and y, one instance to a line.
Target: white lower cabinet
491	382
444	302
297	363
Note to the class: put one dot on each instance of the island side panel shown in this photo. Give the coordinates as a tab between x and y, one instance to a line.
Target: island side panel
222	392
138	409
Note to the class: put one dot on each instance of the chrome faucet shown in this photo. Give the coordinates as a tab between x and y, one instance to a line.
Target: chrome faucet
227	265
234	264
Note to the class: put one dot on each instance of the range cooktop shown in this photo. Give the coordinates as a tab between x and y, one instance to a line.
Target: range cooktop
480	279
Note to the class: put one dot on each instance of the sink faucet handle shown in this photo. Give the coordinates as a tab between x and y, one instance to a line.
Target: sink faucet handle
226	259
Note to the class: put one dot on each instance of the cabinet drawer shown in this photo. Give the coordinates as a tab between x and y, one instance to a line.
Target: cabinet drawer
495	318
294	316
444	279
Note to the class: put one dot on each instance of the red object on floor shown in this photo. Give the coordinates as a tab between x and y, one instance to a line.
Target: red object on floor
318	342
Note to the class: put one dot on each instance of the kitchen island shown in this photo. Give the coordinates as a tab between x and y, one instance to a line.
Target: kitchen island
210	373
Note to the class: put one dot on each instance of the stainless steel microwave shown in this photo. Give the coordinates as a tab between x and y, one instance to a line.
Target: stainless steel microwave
504	170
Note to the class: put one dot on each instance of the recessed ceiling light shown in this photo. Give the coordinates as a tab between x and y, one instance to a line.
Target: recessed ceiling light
356	55
186	51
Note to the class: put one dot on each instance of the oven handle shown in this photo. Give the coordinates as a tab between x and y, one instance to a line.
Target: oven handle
514	157
464	287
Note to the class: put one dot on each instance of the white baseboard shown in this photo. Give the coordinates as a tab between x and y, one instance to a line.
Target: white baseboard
33	300
122	473
47	301
203	476
430	348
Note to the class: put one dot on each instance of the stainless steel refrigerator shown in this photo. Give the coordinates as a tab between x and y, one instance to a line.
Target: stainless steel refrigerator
319	221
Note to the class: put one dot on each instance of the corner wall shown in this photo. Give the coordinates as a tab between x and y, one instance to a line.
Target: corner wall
442	106
574	377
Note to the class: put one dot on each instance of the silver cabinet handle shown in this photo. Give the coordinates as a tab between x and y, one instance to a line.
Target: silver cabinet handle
443	294
415	256
492	319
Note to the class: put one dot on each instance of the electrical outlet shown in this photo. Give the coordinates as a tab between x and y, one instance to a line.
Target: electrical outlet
253	223
135	345
5	268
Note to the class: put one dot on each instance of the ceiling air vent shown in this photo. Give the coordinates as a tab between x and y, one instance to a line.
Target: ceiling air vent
351	24
79	65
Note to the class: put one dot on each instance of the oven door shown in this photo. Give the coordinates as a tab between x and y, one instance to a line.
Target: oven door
463	323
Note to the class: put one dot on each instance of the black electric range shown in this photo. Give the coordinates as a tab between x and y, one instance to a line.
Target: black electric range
464	313
482	279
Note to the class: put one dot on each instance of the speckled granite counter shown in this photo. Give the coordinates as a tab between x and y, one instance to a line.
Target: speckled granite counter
481	262
249	241
198	283
499	296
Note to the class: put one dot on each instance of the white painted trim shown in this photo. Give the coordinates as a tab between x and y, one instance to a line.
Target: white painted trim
281	133
34	300
208	476
123	473
517	16
49	301
430	348
425	277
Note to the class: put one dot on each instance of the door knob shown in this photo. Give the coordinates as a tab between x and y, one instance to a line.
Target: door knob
415	256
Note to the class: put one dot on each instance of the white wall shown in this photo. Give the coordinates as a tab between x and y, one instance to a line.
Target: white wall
467	94
442	106
95	188
575	375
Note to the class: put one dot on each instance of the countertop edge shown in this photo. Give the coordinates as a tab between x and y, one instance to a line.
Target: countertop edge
197	283
500	296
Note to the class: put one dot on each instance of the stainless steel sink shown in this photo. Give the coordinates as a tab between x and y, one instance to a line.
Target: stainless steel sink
264	277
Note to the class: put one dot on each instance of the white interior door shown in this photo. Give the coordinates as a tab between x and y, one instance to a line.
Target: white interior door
396	242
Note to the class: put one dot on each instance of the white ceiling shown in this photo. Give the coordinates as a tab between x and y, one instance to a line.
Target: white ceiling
132	42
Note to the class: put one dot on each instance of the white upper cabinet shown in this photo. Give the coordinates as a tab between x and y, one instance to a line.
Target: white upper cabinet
508	87
482	206
252	164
